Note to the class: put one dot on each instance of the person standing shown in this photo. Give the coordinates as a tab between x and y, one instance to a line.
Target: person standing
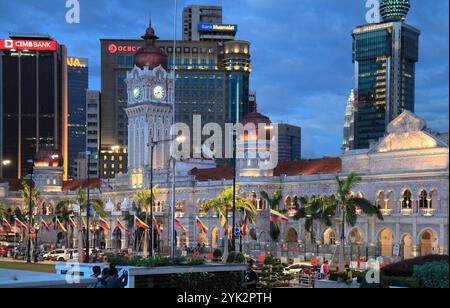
250	278
348	275
325	270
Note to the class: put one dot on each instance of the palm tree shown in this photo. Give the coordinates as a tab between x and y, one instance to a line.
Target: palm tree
141	208
63	213
349	206
316	209
274	204
36	198
224	202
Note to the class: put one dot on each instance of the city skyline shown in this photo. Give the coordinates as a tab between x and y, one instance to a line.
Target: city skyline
311	78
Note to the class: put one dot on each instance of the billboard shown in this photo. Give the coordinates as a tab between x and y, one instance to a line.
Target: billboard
31	45
114	48
217	27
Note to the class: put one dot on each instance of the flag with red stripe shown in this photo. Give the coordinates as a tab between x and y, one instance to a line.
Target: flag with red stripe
102	223
140	224
122	227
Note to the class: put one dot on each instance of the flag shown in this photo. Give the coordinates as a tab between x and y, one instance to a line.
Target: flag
156	226
59	225
20	224
121	226
245	226
277	216
199	223
102	223
179	225
6	224
140	224
223	222
45	226
72	222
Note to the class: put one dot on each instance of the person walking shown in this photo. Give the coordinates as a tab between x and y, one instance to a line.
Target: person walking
325	271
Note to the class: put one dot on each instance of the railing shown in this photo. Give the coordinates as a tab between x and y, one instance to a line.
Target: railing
386	212
427	212
407	212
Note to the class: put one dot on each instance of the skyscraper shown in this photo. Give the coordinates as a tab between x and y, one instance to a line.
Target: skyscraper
289	142
212	80
349	123
204	23
33	101
78	82
384	55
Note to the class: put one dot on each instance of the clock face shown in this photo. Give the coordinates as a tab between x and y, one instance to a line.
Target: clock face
159	92
137	93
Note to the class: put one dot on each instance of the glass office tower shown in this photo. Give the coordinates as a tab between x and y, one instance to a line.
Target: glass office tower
33	101
78	83
384	55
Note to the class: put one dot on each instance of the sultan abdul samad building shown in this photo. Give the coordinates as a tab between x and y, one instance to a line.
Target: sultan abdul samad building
405	173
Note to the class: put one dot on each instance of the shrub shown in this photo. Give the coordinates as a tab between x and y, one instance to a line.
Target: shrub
268	260
217	254
403	282
406	268
231	257
239	258
432	275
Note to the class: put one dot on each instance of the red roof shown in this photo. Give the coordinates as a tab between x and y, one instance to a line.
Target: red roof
82	183
14	184
213	174
327	165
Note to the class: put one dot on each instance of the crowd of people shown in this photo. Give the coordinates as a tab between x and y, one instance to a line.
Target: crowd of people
109	278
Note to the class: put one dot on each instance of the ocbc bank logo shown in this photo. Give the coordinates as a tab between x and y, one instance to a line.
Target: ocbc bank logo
113	48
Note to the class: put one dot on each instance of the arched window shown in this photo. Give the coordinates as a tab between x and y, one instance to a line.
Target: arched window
406	202
423	200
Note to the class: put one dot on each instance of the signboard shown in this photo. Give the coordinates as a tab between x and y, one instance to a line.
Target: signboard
237	231
76	62
217	27
31	45
114	48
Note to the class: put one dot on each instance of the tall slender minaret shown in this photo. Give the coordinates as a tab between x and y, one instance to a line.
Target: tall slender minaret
149	111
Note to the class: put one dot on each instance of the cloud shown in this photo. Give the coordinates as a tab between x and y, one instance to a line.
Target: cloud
301	51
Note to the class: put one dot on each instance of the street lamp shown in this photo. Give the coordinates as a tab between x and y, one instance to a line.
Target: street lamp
6	162
152	145
88	206
30	214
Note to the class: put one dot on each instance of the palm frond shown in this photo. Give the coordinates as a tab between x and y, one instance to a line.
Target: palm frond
366	207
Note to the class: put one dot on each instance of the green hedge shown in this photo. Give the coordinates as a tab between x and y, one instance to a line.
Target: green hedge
406	268
432	275
154	262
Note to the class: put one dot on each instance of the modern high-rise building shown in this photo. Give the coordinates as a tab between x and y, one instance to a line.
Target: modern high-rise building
289	142
33	101
384	55
93	102
78	83
349	123
204	23
212	80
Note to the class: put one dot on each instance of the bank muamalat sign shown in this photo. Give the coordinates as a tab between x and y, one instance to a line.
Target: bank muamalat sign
32	45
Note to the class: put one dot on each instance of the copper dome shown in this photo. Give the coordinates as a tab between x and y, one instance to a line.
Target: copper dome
255	118
150	55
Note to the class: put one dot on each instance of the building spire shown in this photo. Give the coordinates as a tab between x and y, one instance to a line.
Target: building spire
150	22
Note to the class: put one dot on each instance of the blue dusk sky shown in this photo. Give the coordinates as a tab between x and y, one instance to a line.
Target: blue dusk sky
301	51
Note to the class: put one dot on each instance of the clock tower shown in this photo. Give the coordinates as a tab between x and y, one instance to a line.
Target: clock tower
150	110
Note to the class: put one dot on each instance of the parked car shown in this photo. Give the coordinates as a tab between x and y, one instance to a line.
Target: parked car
61	255
298	268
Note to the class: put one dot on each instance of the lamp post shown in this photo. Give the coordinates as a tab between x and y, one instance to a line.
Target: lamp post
88	206
30	214
233	239
152	145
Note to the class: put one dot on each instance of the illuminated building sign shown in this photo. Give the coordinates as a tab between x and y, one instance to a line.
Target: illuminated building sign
113	48
76	62
216	27
32	45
